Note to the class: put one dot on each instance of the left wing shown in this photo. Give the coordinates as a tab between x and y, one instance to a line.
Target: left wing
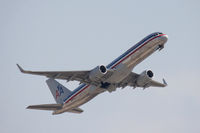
81	76
131	80
66	75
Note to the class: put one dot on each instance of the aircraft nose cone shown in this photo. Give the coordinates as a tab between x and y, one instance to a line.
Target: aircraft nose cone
165	38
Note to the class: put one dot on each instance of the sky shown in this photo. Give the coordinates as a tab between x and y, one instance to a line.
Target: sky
79	35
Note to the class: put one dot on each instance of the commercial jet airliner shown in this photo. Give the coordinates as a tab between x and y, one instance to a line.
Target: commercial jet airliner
117	74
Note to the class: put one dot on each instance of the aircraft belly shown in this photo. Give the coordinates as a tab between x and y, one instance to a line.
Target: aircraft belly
85	99
121	72
140	55
125	68
82	98
102	78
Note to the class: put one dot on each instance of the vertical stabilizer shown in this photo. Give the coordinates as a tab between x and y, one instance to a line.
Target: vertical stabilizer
58	90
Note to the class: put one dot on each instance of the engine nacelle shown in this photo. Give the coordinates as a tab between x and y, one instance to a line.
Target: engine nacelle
97	73
144	78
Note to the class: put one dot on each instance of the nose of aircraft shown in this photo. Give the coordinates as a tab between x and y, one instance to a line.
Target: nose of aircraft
164	38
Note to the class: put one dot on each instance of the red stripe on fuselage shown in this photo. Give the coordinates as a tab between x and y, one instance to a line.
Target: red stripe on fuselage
116	65
135	51
77	93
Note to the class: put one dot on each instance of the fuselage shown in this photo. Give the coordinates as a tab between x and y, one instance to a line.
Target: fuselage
122	67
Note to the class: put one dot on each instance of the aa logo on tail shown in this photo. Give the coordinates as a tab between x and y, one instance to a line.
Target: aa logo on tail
59	91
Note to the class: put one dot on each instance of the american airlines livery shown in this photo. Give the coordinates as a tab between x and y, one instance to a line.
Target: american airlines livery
117	74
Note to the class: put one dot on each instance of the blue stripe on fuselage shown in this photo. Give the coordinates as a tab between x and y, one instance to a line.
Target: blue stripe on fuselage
75	91
109	66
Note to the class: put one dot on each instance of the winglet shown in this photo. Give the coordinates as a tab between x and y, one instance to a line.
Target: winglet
29	107
20	68
164	82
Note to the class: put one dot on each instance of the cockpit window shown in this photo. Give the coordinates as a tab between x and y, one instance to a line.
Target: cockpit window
150	36
158	33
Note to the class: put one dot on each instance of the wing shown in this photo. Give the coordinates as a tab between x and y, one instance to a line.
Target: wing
81	76
131	80
158	84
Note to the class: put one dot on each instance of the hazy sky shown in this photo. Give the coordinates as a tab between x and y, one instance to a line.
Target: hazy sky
79	35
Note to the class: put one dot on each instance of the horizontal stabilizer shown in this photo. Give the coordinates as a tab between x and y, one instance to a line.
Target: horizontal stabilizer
46	107
73	110
76	110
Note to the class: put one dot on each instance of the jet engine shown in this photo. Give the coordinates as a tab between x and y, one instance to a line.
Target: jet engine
97	73
144	78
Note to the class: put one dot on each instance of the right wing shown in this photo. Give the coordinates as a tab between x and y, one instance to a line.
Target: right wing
158	84
81	76
131	79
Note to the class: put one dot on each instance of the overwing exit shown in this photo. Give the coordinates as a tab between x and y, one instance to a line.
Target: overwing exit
117	74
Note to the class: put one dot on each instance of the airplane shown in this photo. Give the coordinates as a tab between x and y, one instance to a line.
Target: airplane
117	74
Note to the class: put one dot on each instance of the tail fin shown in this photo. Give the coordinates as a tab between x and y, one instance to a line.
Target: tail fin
58	90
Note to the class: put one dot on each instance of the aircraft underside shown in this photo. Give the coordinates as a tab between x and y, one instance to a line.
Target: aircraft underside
117	74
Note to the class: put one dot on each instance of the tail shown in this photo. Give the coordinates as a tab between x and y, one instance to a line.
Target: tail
59	92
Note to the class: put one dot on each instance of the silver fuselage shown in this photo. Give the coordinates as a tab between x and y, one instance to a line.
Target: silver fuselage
122	67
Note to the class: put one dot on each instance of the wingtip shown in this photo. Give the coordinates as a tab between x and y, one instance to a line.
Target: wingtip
28	107
20	68
164	82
